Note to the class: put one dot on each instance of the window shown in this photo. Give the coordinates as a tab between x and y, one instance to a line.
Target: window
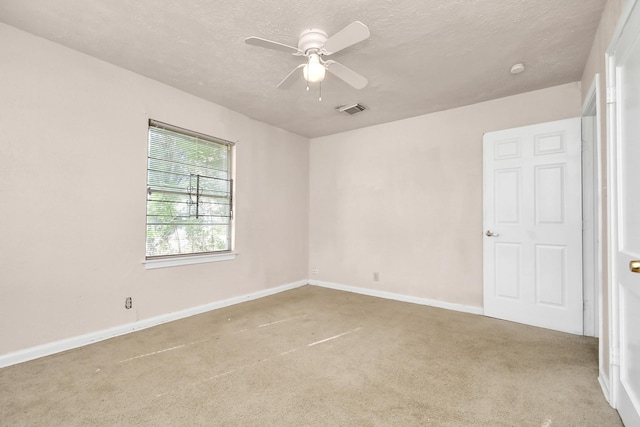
189	193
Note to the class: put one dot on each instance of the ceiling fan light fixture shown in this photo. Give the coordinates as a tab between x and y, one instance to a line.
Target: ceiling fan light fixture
314	70
315	46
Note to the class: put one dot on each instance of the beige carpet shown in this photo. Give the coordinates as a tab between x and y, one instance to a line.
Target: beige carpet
316	357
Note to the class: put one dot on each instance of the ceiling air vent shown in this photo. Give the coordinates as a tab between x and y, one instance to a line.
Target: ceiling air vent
351	109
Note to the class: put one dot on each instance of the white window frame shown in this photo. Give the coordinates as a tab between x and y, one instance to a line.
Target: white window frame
186	258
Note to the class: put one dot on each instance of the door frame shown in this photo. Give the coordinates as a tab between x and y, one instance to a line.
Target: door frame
592	218
612	222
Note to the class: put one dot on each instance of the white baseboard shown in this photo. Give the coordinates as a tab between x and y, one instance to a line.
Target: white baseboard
36	352
604	384
43	350
399	297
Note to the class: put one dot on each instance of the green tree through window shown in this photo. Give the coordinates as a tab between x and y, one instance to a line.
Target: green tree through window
189	192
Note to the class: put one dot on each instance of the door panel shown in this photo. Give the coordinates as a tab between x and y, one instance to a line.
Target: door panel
549	186
533	225
549	144
507	149
507	270
551	272
507	200
625	210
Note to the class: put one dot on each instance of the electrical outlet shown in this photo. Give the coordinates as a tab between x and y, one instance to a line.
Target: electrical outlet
314	270
376	276
128	303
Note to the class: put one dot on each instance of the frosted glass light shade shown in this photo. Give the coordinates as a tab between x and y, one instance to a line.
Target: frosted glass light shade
313	71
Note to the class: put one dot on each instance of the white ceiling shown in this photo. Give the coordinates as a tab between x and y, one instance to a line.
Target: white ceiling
422	56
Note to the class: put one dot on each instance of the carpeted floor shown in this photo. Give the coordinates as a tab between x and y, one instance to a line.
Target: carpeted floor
316	357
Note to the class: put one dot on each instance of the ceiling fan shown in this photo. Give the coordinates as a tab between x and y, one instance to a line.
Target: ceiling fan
315	45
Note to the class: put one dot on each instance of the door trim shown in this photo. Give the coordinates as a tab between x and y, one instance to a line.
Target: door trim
614	373
592	242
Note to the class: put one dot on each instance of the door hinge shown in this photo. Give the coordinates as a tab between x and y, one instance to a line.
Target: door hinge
614	358
611	95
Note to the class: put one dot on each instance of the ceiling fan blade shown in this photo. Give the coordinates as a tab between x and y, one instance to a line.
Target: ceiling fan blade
346	74
291	77
257	41
349	35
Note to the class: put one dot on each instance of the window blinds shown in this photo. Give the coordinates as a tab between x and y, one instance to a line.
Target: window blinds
189	192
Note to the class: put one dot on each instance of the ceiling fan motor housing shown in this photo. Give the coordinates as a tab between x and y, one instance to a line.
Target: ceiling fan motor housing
311	39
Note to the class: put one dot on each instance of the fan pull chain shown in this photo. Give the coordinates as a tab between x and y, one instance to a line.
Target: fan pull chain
305	68
320	97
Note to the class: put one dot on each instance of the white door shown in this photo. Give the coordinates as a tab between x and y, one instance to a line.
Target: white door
625	215
533	225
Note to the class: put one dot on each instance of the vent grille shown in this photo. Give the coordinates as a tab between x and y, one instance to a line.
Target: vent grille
351	109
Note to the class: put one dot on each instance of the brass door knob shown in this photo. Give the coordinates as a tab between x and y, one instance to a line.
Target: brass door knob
634	266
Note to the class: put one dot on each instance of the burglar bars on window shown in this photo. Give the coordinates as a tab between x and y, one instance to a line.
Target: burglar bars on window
199	191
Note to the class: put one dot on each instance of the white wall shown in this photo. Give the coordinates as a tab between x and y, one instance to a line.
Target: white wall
73	139
405	198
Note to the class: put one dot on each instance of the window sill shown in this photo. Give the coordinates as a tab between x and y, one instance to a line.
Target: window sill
187	260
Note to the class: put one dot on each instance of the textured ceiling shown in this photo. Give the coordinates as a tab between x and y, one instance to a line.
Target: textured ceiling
422	56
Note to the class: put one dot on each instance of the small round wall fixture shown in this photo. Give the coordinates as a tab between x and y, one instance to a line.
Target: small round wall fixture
517	68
